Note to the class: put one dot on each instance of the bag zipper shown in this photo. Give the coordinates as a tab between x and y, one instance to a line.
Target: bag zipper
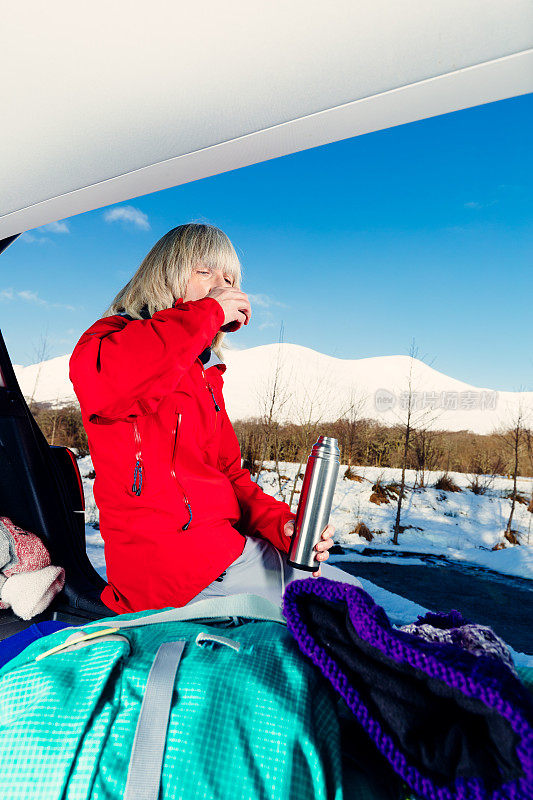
139	467
175	435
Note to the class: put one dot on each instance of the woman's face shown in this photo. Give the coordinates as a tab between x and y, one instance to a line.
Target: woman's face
203	279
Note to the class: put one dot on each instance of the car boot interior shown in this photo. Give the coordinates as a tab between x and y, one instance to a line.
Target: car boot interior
41	491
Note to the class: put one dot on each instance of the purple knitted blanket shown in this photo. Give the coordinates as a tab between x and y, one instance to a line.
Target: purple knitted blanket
454	725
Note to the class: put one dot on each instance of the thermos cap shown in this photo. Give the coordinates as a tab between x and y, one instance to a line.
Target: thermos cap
326	447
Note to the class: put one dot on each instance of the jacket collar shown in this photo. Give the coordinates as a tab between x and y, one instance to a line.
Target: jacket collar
211	358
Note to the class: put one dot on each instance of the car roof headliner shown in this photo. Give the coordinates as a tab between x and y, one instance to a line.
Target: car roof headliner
103	102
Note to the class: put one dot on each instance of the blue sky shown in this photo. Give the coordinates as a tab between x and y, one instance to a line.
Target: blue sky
422	231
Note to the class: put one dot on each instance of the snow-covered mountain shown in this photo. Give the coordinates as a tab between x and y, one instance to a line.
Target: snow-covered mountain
314	386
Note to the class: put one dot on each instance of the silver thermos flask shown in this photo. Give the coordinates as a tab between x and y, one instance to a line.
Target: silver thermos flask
315	503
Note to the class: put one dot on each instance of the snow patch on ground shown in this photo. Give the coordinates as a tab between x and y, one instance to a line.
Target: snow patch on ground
461	526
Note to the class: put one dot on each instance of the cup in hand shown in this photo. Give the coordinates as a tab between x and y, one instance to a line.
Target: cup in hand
236	307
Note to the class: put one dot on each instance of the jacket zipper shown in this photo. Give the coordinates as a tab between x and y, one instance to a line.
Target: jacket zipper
208	385
217	407
175	433
138	474
139	467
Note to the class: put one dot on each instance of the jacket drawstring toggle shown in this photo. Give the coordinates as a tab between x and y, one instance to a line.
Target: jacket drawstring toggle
137	476
217	407
184	527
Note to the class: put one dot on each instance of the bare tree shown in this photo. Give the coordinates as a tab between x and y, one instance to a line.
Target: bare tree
41	355
529	448
349	425
483	468
274	398
55	411
318	396
427	453
515	440
412	421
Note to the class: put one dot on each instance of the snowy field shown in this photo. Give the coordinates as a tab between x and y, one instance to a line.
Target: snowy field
461	526
458	526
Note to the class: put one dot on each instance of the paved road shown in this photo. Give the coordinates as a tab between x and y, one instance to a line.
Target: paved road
490	598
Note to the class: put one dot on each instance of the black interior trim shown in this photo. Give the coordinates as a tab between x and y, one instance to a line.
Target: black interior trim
40	492
4	243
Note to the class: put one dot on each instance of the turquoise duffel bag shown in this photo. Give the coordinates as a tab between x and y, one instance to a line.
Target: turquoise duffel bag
212	700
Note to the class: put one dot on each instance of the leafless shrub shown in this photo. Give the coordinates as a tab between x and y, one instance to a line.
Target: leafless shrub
363	530
519	498
512	536
384	493
446	484
478	485
351	475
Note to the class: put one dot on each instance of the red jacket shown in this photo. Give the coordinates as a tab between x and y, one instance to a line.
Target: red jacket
169	484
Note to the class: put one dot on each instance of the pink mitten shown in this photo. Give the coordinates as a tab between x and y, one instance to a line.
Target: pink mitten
26	550
31	582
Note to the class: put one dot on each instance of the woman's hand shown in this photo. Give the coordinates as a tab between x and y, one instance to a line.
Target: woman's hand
321	547
235	304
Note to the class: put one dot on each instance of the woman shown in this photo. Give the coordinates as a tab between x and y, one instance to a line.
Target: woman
179	517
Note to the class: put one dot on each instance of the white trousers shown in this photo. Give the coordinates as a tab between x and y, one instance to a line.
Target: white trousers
262	569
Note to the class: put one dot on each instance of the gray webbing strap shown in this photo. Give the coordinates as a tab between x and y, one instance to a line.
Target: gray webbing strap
146	760
249	606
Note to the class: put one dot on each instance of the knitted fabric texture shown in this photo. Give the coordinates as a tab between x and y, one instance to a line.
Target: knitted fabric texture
25	550
29	581
471	720
30	593
452	628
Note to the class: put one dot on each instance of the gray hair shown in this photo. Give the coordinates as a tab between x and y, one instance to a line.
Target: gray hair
164	273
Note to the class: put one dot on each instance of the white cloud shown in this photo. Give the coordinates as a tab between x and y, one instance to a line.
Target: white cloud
128	214
30	237
265	319
52	227
263	306
476	204
56	227
264	301
32	297
56	340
